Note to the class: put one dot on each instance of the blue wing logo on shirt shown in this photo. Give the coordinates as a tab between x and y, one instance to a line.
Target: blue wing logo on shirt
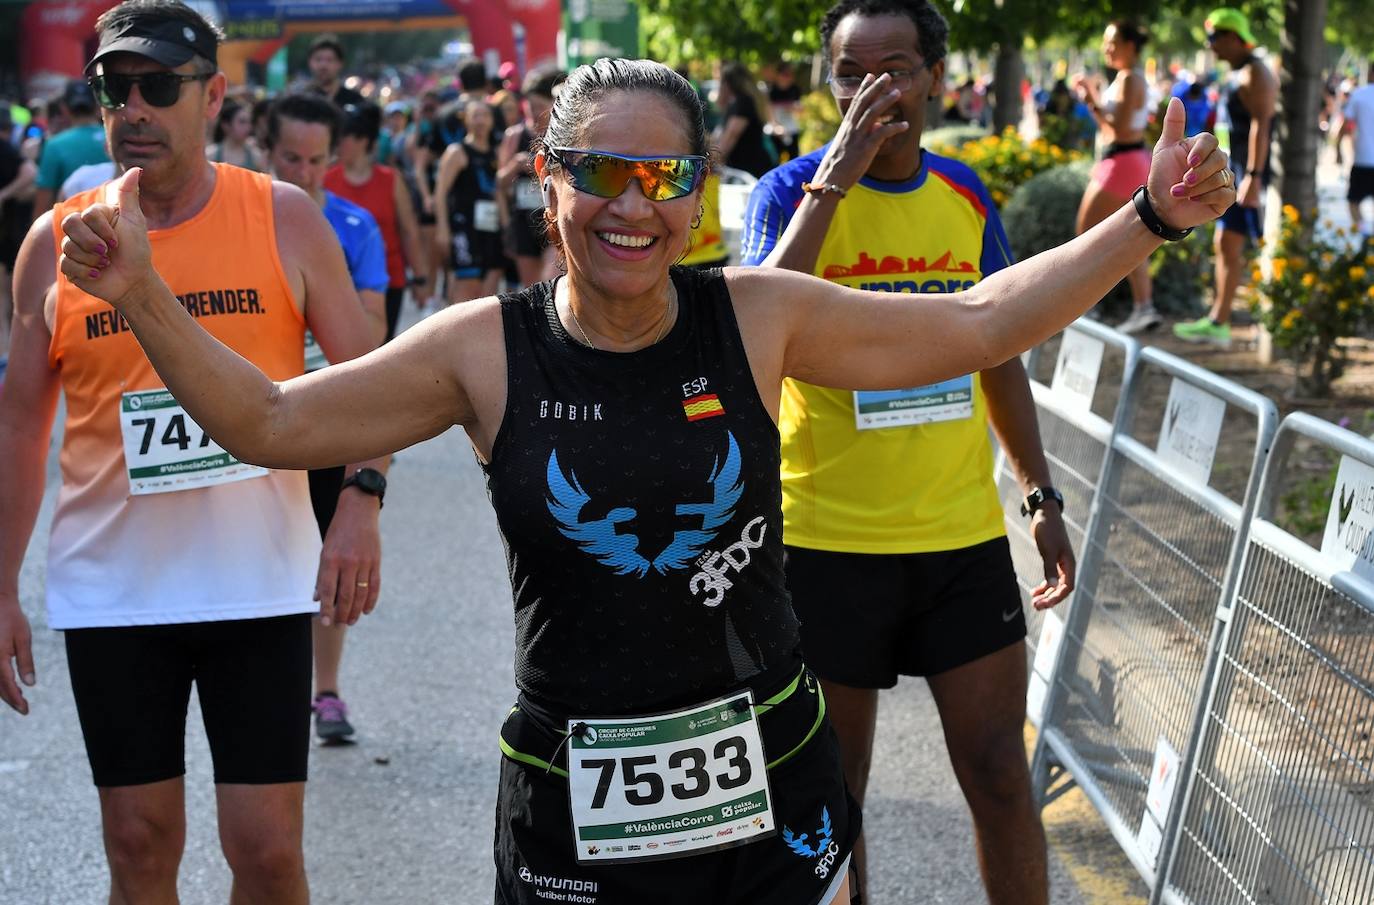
602	538
799	845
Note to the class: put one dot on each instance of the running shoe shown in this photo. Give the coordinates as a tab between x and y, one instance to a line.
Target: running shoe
1203	330
1140	320
331	718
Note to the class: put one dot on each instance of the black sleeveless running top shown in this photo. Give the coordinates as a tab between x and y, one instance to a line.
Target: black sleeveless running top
639	501
475	182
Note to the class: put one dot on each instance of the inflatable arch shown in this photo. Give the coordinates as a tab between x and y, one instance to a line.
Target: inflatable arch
60	34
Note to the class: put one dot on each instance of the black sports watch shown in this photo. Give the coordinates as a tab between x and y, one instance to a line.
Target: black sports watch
370	481
1150	218
1033	503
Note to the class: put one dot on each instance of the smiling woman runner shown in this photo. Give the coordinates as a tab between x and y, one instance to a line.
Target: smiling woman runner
667	735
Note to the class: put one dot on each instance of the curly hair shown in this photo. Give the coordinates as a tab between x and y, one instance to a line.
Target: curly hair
932	31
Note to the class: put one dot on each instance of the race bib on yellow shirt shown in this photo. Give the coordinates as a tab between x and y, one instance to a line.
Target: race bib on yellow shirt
165	450
951	400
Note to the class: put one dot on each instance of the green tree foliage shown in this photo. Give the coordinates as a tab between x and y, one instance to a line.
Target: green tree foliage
681	32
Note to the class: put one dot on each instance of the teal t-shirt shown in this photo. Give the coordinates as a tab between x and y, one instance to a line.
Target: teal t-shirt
67	151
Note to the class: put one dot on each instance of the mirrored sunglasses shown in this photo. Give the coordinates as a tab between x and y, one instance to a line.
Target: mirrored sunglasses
607	175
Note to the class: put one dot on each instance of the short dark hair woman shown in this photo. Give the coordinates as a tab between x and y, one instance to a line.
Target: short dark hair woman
624	414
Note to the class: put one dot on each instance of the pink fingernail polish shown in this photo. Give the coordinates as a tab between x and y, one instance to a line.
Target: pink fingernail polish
93	273
1194	161
1177	191
101	249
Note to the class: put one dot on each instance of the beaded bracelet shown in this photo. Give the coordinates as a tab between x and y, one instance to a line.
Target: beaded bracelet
820	188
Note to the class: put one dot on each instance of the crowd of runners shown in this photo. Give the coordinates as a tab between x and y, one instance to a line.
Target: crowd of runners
699	642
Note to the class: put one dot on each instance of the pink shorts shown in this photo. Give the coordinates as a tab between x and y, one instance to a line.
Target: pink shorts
1123	173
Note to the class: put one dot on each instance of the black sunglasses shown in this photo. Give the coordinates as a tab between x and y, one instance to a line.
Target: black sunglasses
159	89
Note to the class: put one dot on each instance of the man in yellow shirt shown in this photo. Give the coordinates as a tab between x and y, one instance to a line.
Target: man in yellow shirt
897	558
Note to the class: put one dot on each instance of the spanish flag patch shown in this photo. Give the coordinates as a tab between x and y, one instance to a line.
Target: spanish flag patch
707	405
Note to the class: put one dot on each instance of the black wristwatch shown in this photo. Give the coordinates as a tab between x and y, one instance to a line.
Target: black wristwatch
1150	218
1033	503
370	481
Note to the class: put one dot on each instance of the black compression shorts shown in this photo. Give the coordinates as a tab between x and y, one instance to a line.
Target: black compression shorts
1361	184
534	852
325	486
132	686
394	296
868	618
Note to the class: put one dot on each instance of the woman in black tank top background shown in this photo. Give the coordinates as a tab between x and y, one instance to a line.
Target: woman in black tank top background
625	416
468	209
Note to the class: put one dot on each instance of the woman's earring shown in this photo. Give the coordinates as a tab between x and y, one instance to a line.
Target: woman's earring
701	214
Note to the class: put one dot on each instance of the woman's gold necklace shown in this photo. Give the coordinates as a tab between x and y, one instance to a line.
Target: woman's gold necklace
662	324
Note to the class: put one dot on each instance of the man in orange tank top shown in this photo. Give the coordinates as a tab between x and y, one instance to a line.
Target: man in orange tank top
171	563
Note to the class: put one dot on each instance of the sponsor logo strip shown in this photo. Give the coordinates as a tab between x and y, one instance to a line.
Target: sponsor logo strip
706	817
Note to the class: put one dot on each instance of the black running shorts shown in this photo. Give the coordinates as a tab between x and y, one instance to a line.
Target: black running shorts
132	686
868	618
394	296
325	486
1361	184
536	863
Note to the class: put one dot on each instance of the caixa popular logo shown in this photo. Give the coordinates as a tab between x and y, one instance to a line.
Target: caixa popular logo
824	851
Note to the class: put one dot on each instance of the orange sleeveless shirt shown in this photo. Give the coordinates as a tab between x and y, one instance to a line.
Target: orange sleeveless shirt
229	551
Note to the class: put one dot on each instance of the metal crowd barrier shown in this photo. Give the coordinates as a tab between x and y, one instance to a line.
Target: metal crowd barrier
1162	553
1279	807
1077	403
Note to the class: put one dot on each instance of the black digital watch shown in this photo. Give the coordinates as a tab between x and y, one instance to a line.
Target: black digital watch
370	481
1033	503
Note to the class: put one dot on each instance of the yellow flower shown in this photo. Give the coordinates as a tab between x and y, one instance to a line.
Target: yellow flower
1343	305
1290	213
1370	293
1308	279
1280	265
1369	260
1257	275
1357	272
1327	257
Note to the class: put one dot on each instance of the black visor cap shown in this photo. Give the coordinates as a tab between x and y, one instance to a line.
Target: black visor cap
170	42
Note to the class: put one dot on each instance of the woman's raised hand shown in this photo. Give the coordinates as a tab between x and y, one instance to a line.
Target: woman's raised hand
105	248
1190	179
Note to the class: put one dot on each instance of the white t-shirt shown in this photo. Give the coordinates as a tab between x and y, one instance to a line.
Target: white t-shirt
1360	110
85	178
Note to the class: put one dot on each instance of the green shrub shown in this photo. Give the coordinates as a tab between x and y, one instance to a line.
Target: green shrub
952	136
1041	213
819	118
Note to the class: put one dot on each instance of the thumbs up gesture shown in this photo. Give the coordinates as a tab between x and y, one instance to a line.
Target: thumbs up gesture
1190	178
105	248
